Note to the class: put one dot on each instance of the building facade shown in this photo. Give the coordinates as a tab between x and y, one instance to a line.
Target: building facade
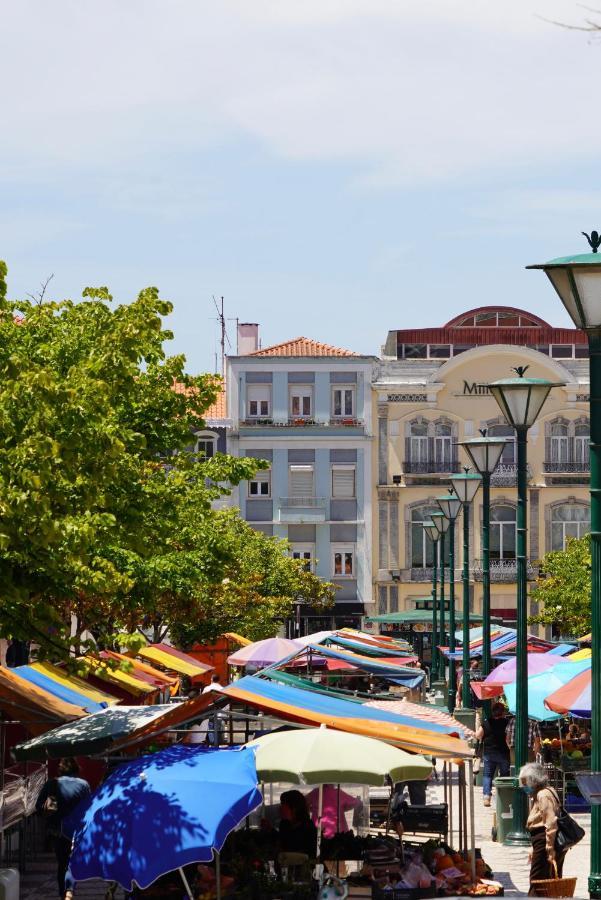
429	394
306	408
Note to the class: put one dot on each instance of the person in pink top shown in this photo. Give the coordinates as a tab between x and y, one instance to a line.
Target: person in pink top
335	804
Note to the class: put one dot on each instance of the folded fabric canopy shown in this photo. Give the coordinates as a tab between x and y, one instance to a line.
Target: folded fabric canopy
398	674
541	686
143	671
125	680
175	660
78	684
505	674
293	704
61	690
364	647
575	697
36	708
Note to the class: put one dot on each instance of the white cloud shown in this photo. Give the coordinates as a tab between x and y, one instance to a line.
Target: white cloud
406	90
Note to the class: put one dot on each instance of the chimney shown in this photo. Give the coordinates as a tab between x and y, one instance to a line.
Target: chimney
248	338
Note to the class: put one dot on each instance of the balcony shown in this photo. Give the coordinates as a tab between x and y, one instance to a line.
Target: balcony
567	468
506	474
294	424
504	571
431	467
302	510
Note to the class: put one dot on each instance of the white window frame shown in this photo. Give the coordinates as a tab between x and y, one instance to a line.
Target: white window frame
419	448
342	388
205	437
302	391
263	476
302	466
560	443
580	524
302	549
347	467
262	398
344	549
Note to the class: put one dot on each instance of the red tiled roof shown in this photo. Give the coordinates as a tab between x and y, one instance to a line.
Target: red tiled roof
302	346
217	410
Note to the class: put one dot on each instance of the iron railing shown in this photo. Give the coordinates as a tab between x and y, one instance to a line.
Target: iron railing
504	570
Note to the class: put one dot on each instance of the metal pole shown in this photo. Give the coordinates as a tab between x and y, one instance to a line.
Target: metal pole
441	660
466	695
519	836
486	663
452	678
434	660
594	881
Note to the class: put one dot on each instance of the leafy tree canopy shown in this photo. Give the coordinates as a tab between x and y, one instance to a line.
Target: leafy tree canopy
564	589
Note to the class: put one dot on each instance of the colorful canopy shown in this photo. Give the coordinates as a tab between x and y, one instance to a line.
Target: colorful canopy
493	684
585	653
163	812
574	697
392	672
541	686
423	712
296	705
62	690
36	708
125	680
325	756
561	650
78	684
366	648
144	672
264	653
237	638
175	660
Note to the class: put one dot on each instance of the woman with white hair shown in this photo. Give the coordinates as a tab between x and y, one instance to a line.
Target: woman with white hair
542	824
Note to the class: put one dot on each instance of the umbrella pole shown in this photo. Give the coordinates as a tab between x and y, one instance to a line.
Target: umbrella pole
472	823
186	885
450	801
218	873
319	817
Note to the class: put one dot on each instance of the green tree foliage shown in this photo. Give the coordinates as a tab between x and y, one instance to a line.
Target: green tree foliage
104	515
563	589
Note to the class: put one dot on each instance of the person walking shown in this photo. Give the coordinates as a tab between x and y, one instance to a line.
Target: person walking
57	799
545	861
495	752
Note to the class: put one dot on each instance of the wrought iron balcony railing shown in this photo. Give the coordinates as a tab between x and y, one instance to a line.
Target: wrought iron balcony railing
504	570
431	466
567	468
505	475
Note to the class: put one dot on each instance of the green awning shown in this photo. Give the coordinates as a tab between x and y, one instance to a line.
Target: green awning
418	616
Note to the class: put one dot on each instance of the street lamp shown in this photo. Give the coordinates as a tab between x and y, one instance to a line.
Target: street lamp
450	504
485	454
442	524
577	280
432	532
521	400
466	486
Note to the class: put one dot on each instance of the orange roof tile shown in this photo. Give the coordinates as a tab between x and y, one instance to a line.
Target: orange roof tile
217	410
302	346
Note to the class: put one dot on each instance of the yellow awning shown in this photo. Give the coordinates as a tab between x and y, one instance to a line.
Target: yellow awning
586	639
237	638
585	653
117	676
71	681
174	663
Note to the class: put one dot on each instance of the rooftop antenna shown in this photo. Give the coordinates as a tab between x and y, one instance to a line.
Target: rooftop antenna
219	306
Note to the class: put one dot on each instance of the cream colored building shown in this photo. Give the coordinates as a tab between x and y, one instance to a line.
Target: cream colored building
428	396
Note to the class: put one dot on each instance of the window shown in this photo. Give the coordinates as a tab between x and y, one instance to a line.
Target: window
422	548
443	443
570	520
260	485
560	443
301	401
508	457
439	351
502	532
418	442
205	445
343	559
304	552
343	402
259	400
343	482
562	351
301	481
582	442
415	351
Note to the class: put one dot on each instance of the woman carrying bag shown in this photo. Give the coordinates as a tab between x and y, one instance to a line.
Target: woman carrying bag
546	861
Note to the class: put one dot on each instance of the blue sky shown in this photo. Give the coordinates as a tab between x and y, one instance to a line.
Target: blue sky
334	168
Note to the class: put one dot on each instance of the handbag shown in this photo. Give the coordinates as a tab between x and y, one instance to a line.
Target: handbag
477	763
569	832
50	806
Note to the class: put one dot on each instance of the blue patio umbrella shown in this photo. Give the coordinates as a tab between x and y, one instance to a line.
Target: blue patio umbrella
161	812
540	686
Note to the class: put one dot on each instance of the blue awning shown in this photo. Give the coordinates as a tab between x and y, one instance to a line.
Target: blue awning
28	673
398	674
364	648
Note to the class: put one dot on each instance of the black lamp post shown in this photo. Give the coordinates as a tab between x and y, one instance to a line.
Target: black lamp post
432	532
450	505
466	486
485	454
577	280
521	400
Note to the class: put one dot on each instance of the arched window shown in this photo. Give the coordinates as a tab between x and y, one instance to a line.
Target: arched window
502	532
570	520
443	444
559	442
582	440
418	441
206	444
422	548
505	431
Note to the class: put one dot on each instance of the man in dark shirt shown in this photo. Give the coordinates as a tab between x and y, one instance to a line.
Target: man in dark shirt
63	793
495	752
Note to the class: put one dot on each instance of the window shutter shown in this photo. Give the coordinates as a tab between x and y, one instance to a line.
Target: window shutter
301	481
343	482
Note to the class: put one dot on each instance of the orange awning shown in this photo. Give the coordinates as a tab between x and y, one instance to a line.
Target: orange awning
36	708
